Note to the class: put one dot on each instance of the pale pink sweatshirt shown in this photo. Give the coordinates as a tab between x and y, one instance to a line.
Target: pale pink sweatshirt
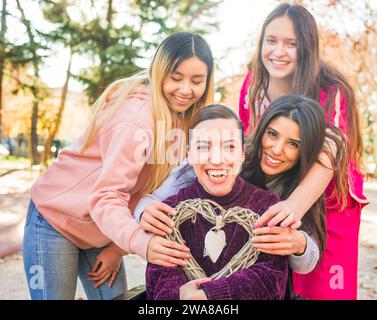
88	197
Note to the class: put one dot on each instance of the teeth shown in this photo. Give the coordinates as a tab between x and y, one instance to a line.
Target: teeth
272	160
216	173
280	63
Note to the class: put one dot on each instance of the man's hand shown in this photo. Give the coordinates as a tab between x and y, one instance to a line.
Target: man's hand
191	290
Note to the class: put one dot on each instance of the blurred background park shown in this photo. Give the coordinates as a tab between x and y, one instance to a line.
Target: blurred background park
57	56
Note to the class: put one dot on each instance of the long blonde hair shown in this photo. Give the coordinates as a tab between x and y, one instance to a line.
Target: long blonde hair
170	53
102	111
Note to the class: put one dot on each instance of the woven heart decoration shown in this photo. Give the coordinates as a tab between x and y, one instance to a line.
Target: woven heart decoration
215	239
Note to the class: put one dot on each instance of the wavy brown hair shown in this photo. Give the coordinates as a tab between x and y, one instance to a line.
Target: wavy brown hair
311	76
309	116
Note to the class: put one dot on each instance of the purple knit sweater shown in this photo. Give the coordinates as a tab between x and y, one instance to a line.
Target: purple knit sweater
265	280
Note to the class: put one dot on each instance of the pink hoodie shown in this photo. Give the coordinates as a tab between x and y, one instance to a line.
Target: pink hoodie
88	197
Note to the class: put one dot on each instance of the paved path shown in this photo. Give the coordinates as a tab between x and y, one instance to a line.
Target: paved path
13	281
14	198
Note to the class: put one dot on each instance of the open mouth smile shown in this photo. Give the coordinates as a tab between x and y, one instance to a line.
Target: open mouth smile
217	175
272	161
279	63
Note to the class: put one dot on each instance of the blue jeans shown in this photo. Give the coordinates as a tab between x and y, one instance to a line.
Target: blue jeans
52	264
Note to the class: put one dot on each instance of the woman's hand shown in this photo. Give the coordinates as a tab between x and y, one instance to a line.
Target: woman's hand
279	241
191	290
155	220
167	253
106	266
280	212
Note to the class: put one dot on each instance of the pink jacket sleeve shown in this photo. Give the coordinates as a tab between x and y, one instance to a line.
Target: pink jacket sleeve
243	106
109	200
338	118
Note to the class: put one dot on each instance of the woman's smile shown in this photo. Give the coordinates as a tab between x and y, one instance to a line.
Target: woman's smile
186	85
217	175
216	154
182	100
280	146
271	161
279	63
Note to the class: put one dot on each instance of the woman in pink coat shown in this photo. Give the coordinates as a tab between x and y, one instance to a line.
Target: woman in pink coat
287	61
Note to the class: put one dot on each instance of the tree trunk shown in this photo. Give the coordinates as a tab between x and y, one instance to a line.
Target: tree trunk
103	55
109	11
33	152
58	118
2	60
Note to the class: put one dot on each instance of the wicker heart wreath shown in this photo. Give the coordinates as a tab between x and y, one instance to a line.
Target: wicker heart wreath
245	217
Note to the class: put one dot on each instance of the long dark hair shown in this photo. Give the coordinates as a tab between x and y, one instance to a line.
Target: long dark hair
309	116
312	74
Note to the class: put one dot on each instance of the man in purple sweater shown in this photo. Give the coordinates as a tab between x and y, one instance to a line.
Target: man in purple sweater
264	280
218	181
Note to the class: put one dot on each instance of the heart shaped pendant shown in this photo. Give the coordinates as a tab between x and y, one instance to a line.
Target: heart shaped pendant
214	243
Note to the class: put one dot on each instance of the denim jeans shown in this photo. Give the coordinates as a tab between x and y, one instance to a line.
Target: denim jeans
52	264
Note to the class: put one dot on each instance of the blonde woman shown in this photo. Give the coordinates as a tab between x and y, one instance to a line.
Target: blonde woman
80	221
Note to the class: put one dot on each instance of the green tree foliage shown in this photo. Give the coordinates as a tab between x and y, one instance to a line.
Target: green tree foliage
118	38
15	56
32	50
